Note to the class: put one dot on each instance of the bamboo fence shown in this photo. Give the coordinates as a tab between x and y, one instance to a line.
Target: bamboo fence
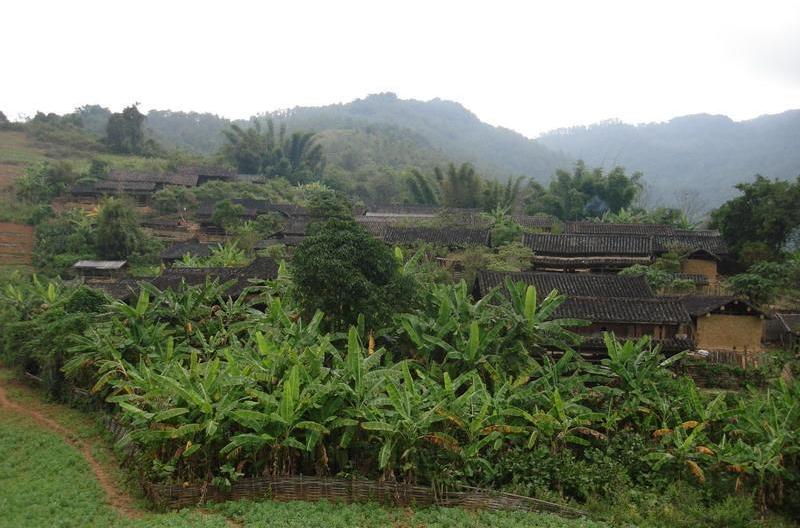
305	488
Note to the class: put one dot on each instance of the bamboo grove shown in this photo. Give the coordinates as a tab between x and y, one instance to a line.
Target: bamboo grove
485	392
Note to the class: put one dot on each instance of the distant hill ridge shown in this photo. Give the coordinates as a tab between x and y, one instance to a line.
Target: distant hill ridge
703	154
707	154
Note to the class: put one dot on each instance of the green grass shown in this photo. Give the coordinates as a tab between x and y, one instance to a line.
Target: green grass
332	515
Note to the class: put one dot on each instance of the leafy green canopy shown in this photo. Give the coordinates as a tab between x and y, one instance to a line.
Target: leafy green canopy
756	225
296	157
458	391
461	186
344	271
125	134
585	193
118	235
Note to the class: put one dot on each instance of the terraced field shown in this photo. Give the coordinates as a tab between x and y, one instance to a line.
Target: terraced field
16	244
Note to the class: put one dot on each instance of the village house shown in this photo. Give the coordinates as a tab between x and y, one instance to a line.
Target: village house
725	323
625	306
539	222
192	248
251	209
140	185
449	237
588	252
237	279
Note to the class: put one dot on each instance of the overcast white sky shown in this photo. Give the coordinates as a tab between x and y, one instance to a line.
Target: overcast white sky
530	66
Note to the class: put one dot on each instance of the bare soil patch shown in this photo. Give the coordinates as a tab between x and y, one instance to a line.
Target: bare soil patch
16	244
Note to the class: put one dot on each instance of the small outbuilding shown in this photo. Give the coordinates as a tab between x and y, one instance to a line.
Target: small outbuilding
725	323
100	269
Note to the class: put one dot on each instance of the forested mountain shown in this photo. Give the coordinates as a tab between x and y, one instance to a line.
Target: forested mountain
704	154
383	131
369	141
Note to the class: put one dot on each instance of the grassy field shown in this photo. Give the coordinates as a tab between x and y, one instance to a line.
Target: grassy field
19	151
46	482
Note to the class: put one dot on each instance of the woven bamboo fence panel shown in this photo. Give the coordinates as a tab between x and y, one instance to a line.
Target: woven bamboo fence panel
303	488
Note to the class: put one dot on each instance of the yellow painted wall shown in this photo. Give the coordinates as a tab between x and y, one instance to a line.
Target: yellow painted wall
707	268
729	332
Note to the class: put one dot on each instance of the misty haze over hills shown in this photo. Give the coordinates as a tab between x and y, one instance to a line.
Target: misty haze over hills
704	154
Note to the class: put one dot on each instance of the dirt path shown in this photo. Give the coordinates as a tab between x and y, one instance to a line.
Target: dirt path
119	500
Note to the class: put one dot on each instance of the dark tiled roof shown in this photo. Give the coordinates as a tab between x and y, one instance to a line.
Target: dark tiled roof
284	240
694	278
790	321
164	178
588	245
698	305
603	228
161	223
570	284
113	187
690	242
120	289
194	248
654	310
539	221
295	226
253	208
262	268
213	172
439	236
123	186
403	210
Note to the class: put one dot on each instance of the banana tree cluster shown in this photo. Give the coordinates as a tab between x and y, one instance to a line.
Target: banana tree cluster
214	388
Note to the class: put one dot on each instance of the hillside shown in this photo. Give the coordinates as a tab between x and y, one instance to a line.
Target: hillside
705	154
383	131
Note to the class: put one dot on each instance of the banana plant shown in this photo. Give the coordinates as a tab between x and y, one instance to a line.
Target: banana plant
402	420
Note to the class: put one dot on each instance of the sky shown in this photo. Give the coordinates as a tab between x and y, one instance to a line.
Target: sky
531	66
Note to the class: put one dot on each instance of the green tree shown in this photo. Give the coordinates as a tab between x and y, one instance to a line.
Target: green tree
118	235
125	134
227	214
173	199
760	220
324	202
296	157
584	193
504	196
245	148
344	271
422	189
44	181
461	186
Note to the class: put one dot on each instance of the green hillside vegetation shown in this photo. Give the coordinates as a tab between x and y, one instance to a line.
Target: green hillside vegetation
369	144
706	154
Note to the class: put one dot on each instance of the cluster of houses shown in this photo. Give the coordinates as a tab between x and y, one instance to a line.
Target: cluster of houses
581	260
140	185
